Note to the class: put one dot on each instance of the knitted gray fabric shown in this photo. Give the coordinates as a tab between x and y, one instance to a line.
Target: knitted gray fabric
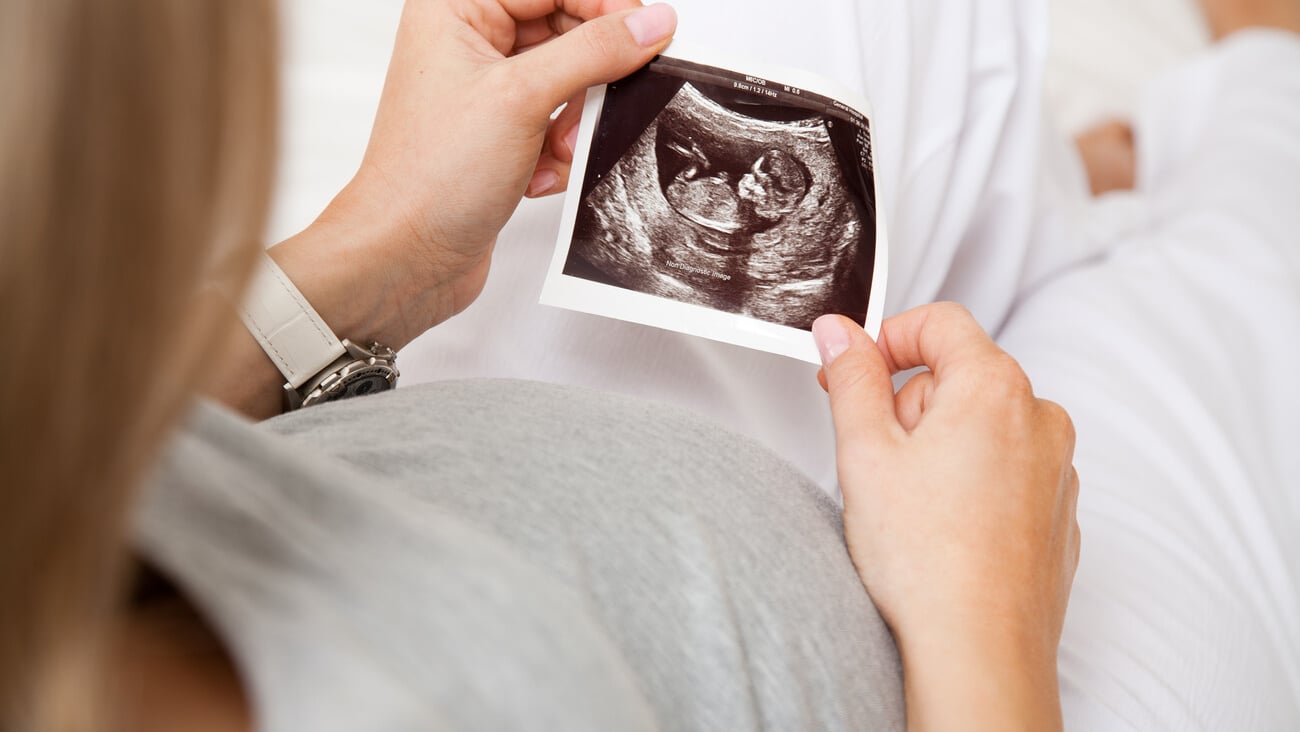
495	555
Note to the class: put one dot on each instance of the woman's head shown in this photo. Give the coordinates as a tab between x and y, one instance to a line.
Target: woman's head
136	142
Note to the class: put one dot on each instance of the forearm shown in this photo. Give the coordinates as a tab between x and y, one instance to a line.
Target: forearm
352	277
245	379
464	123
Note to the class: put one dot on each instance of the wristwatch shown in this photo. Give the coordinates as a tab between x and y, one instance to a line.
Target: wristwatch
317	366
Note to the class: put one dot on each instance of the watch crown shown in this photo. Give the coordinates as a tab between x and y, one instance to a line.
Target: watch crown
383	352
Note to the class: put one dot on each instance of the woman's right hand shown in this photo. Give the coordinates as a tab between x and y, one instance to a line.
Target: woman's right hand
464	129
959	512
462	132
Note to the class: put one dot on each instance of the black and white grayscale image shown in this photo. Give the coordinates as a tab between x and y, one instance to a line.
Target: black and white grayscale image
729	191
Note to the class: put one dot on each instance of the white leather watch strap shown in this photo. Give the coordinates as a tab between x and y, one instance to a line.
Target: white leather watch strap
285	324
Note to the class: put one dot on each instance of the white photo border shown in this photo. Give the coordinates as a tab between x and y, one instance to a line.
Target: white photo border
586	296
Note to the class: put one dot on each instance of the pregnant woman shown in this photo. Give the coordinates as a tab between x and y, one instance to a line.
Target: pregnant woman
479	555
476	555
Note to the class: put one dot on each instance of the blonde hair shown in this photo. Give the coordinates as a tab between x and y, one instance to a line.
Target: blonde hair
136	145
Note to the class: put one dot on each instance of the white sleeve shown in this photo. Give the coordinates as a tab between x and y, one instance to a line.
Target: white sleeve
1178	359
955	86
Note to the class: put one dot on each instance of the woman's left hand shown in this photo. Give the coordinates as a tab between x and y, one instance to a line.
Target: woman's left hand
463	130
960	503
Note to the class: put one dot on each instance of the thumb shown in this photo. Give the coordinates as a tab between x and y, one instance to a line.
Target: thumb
599	51
858	379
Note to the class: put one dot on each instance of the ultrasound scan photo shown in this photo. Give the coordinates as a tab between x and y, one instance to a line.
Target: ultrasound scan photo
730	192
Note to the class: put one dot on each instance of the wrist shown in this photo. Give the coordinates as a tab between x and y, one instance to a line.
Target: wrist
286	354
349	271
980	674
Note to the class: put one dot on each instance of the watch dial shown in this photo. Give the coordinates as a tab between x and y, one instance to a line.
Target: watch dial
361	383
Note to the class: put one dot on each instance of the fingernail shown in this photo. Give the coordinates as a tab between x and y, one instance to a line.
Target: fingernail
571	140
652	24
832	339
543	181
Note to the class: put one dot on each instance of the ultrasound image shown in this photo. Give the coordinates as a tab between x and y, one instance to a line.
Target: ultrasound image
727	200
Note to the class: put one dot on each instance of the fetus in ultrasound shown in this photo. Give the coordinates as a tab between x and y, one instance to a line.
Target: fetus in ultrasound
714	207
706	197
769	190
774	186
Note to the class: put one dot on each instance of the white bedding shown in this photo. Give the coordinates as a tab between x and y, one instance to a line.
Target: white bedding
1104	51
1101	53
1187	609
1177	358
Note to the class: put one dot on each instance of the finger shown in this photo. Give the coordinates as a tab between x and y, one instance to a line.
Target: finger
1068	498
1056	421
534	32
546	179
521	23
1077	546
1071	508
555	162
859	381
526	10
596	52
940	337
913	399
550	177
1075	537
562	137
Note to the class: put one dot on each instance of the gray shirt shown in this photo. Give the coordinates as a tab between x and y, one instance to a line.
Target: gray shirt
496	555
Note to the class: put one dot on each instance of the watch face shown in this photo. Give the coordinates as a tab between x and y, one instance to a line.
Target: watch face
358	382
